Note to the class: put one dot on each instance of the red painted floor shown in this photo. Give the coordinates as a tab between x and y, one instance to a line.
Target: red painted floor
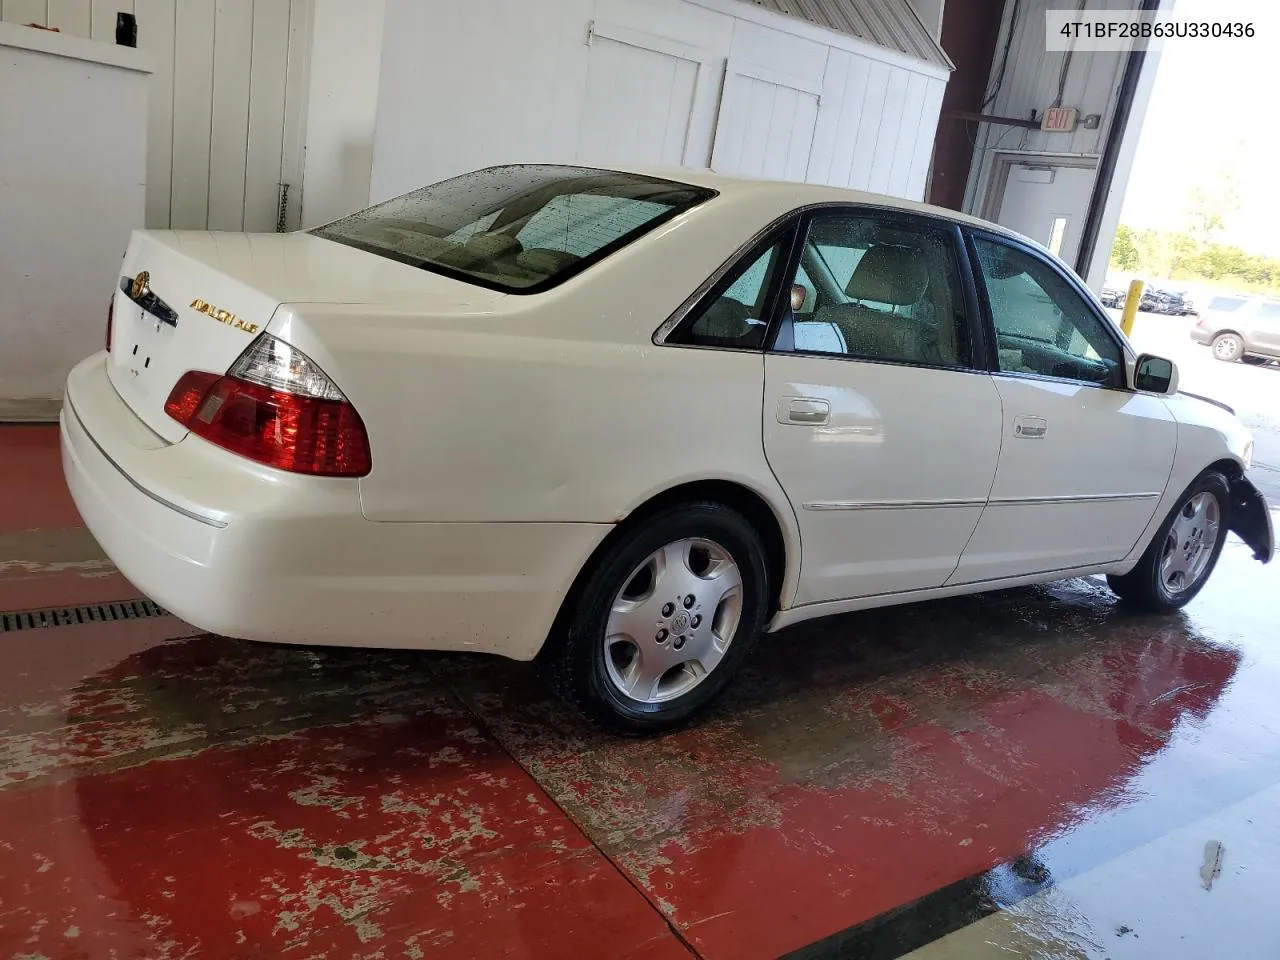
168	794
47	559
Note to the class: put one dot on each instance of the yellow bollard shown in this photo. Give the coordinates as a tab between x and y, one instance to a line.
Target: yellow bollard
1131	302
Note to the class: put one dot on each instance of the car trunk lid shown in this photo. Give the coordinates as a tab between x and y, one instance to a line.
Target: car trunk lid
195	301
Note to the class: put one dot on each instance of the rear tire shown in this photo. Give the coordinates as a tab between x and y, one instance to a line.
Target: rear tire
662	621
1183	553
1227	347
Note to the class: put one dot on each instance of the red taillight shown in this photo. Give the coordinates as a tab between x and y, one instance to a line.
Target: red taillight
288	431
111	310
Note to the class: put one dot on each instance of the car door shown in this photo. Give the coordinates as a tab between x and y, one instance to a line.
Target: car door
1264	336
1083	460
876	424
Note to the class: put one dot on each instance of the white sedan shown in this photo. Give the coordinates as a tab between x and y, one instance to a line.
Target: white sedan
624	424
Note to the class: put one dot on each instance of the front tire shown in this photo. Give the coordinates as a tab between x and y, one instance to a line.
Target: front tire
1184	551
1256	361
659	627
1227	347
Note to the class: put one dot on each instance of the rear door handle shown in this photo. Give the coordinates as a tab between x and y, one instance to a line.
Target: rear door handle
1030	428
803	410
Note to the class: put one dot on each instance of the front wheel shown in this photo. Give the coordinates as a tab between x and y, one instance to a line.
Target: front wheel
663	621
1228	347
1256	361
1184	550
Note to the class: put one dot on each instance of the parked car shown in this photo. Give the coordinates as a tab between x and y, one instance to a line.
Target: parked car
1169	302
1178	304
623	423
1241	328
1113	298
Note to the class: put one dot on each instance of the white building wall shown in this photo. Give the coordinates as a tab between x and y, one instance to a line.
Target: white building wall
467	83
72	174
342	104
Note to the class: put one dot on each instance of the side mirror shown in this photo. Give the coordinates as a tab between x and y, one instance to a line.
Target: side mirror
1155	375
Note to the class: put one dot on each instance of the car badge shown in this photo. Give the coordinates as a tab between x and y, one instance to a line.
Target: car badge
140	285
222	316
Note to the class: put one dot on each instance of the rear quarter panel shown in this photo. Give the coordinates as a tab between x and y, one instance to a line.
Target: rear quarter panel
555	407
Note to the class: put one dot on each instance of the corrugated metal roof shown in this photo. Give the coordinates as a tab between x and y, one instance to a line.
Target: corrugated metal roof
886	23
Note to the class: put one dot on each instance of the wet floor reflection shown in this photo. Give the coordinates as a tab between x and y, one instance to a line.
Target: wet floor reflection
219	795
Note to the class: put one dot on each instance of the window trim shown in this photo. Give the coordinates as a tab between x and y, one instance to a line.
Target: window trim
789	218
1127	357
925	222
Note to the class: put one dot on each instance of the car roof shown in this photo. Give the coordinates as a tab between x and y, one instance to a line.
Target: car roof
781	195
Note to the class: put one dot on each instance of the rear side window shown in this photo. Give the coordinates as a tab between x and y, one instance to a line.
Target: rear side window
1226	304
734	316
1269	310
520	229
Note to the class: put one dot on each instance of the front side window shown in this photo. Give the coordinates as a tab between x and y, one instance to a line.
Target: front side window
516	228
876	289
1042	325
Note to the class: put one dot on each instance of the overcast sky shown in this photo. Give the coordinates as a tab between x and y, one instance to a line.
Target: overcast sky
1214	109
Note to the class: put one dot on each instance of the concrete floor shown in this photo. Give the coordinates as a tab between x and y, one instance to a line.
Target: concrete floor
1034	773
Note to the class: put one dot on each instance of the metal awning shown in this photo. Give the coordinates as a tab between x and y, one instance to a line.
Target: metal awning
886	23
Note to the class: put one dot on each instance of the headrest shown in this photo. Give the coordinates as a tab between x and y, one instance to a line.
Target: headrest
547	262
888	273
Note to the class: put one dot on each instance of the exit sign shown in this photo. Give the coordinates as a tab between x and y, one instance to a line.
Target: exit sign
1059	120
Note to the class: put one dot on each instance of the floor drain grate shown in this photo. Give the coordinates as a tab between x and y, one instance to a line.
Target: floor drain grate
74	616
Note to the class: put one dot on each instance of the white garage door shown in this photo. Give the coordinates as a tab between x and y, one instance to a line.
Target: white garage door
766	124
639	98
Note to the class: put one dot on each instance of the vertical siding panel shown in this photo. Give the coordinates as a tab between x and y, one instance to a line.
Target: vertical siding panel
830	112
730	126
851	120
777	141
924	142
759	121
908	134
156	37
887	135
679	107
1092	80
267	71
71	16
873	109
802	136
229	125
102	24
192	114
25	11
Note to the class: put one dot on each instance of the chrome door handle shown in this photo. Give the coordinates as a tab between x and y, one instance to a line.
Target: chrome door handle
803	410
1030	428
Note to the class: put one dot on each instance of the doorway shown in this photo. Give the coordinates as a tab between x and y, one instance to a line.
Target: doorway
1043	197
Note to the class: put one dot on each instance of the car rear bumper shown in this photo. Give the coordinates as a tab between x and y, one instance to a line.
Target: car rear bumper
249	552
1200	335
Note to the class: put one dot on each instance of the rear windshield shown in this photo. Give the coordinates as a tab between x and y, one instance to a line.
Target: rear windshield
516	228
1226	304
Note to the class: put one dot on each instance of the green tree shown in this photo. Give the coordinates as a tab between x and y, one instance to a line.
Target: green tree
1209	207
1124	252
